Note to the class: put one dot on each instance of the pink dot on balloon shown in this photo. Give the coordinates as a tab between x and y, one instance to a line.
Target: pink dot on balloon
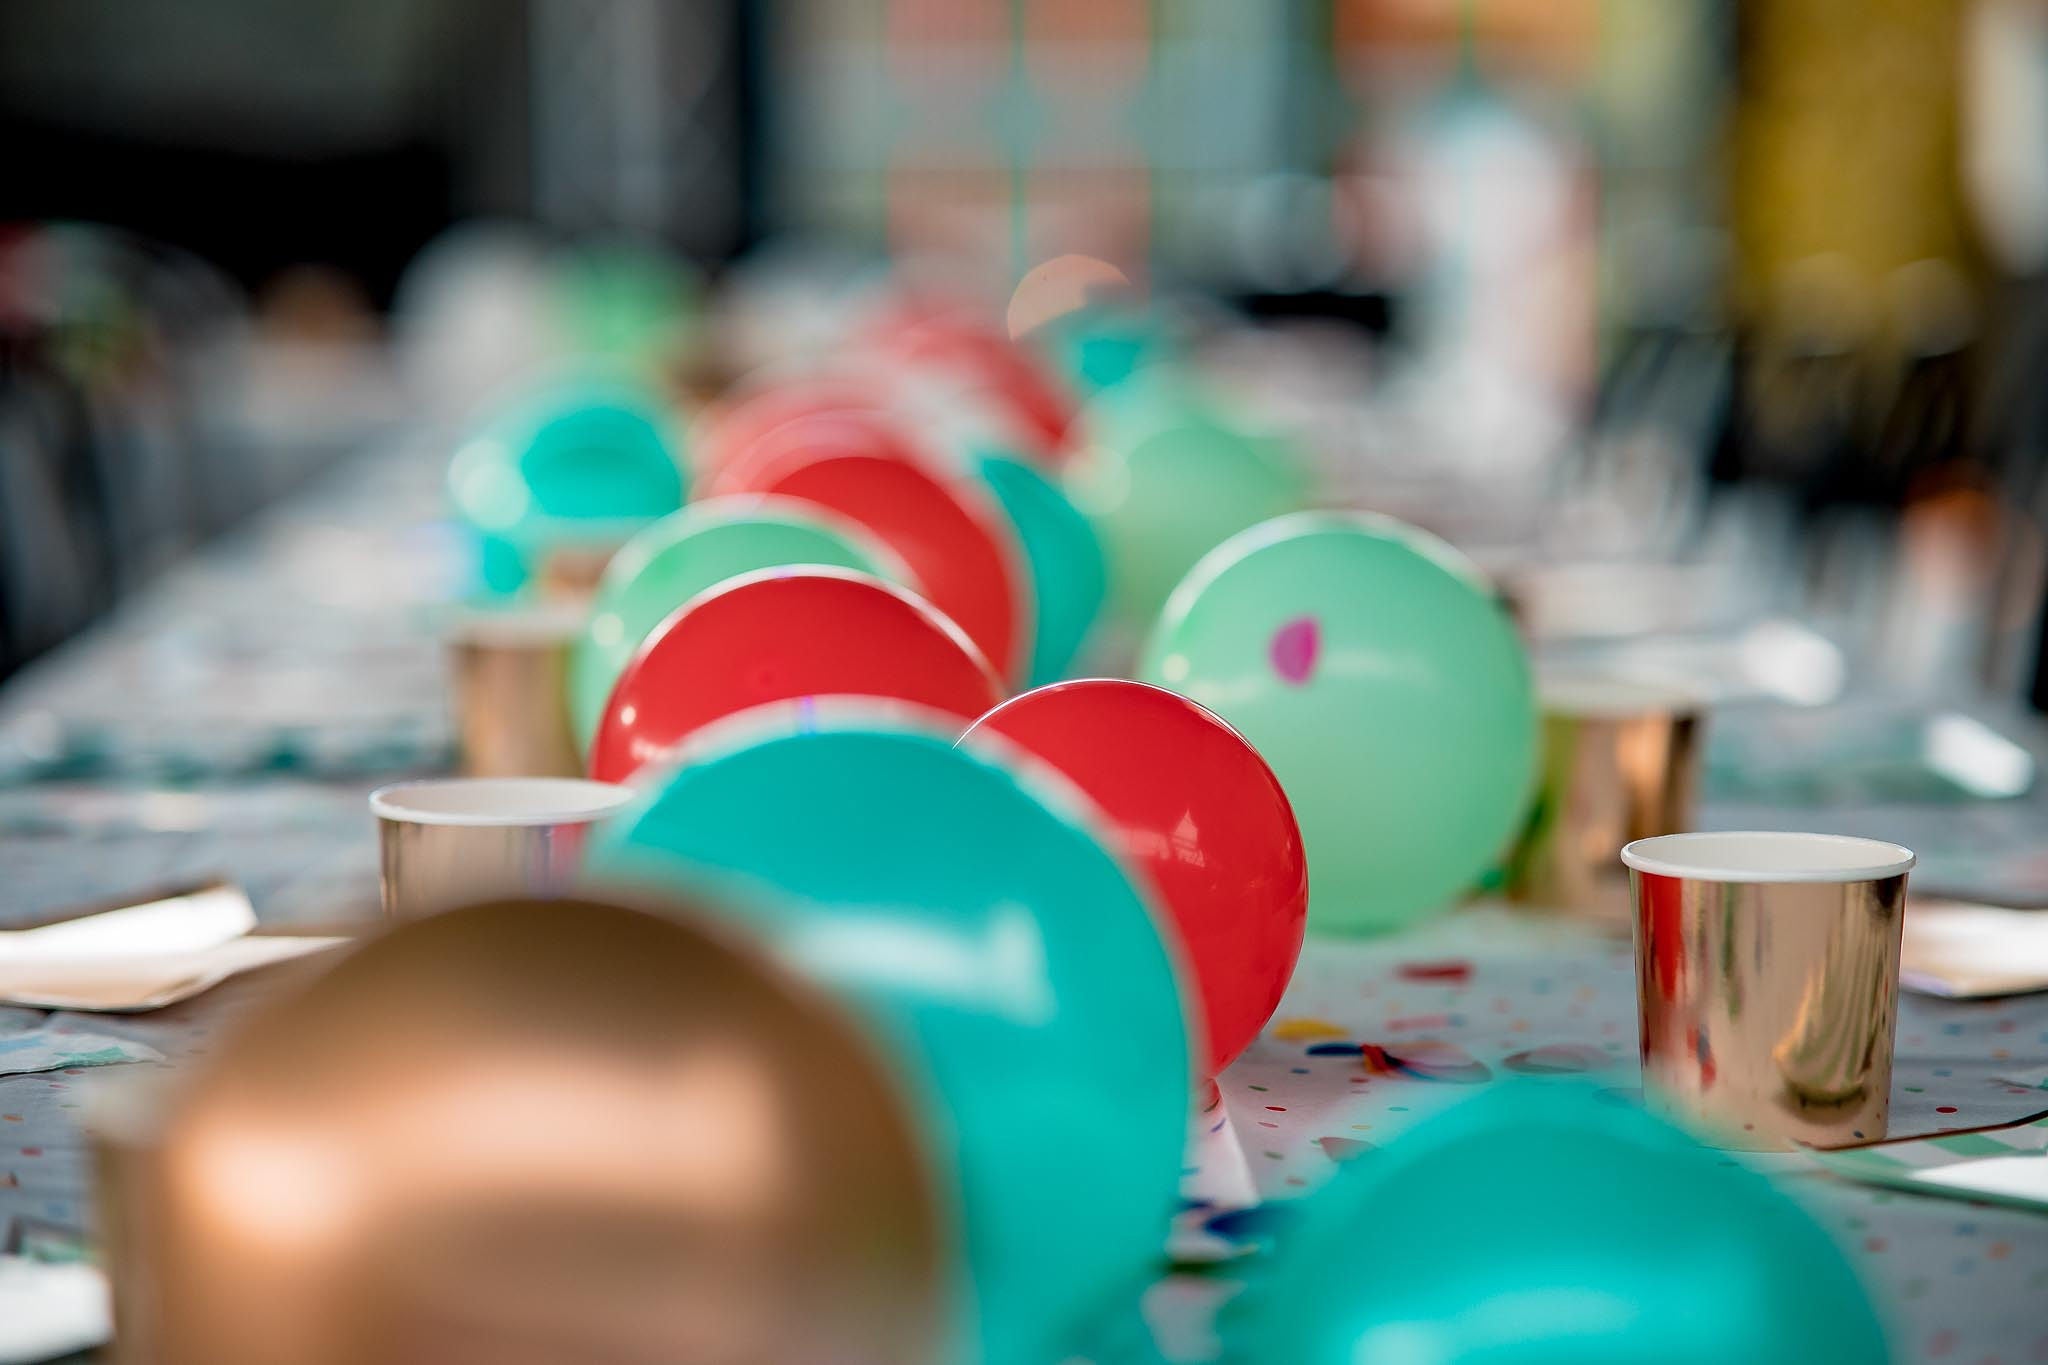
1294	650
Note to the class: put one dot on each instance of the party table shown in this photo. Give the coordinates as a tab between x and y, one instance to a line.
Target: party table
230	719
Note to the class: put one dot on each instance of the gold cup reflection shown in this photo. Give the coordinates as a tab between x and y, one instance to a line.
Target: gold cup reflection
508	674
1620	763
526	1132
1767	975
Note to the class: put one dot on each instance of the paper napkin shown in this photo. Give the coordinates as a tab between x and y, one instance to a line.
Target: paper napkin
144	956
1962	950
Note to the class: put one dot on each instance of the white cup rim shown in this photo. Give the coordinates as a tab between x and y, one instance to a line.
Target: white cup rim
498	801
1604	696
1768	856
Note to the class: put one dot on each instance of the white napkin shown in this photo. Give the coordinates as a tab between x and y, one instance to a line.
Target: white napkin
50	1310
144	956
1962	950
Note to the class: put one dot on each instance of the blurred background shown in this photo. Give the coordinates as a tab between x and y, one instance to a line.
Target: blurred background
1752	292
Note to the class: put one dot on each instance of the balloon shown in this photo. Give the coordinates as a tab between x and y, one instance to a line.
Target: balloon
1008	957
1197	811
799	440
536	1131
634	303
1373	668
1544	1225
689	552
780	634
1165	479
1100	348
1062	555
575	461
729	429
980	359
1059	289
947	529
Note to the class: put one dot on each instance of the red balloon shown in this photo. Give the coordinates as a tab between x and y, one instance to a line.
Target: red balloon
950	534
1202	816
999	367
813	436
729	429
779	635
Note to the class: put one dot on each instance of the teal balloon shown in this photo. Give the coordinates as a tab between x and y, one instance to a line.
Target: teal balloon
1373	668
690	552
1068	576
1544	1225
1165	477
1100	348
565	464
1007	958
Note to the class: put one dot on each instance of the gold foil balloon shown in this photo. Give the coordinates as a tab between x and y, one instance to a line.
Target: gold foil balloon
524	1133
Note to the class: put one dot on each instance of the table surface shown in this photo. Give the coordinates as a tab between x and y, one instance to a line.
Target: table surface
231	719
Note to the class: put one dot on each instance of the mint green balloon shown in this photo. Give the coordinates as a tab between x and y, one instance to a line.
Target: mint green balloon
572	461
629	302
1068	577
1540	1224
1008	960
687	553
1165	477
1371	665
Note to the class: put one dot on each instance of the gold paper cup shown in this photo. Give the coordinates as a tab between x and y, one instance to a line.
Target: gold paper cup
456	841
1767	976
1620	763
509	672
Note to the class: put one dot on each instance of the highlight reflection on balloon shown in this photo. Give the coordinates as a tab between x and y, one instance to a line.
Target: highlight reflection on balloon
1543	1225
531	1132
685	554
1008	956
1199	813
782	634
1373	668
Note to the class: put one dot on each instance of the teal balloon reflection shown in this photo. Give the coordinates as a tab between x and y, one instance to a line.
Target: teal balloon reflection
1545	1225
1372	667
574	463
689	552
1007	957
1065	559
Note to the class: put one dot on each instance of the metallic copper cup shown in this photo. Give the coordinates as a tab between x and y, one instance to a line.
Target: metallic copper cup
509	673
525	1134
1767	976
1620	763
455	841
